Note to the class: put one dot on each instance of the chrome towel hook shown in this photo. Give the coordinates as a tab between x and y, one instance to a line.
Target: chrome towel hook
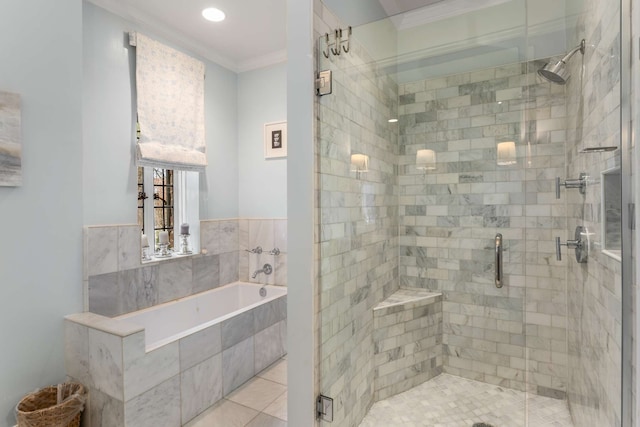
326	52
337	40
346	49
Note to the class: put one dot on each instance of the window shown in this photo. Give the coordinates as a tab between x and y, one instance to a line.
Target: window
163	200
175	201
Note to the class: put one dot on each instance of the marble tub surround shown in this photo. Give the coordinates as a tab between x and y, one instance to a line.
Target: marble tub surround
269	234
407	339
116	282
176	382
120	292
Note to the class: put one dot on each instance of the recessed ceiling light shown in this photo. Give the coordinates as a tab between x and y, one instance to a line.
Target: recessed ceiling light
213	14
393	120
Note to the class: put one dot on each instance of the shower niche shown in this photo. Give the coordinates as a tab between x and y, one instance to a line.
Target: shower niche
611	212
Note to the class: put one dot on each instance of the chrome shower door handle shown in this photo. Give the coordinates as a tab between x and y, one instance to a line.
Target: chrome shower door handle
498	249
558	252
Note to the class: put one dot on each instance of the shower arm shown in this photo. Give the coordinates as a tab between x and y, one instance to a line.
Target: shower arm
579	48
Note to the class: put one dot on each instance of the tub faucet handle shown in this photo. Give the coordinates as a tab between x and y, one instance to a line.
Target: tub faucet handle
274	251
256	250
266	269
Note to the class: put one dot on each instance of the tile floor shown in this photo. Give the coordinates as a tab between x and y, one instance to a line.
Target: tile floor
450	401
444	401
261	402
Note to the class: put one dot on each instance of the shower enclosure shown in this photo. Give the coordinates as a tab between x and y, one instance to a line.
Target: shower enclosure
469	210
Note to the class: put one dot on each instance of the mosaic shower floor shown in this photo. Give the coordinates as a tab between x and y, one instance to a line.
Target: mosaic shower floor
450	401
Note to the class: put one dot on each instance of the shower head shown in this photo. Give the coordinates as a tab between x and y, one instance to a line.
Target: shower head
556	72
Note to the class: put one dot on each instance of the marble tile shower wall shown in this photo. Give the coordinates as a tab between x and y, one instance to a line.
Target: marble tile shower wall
514	336
357	222
116	282
594	289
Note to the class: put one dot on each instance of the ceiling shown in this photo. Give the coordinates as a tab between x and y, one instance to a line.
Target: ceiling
253	35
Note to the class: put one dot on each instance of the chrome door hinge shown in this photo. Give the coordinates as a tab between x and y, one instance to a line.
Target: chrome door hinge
324	408
323	83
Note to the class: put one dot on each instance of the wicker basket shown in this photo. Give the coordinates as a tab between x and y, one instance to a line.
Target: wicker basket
54	406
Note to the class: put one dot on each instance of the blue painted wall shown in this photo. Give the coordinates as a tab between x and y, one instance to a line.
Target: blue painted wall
41	221
262	182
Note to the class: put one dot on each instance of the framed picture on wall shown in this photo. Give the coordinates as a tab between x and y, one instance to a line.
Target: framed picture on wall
10	140
275	140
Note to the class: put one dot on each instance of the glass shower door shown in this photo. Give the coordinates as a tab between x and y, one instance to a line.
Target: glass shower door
439	136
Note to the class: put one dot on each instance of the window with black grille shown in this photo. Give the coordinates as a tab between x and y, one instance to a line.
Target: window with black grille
142	196
163	202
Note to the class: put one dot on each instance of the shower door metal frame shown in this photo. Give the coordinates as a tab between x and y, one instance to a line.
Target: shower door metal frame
627	213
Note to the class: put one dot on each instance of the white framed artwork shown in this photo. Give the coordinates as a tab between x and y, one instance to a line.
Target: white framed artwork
10	140
275	140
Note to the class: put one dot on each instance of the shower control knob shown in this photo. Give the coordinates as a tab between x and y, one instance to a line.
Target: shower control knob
580	184
579	244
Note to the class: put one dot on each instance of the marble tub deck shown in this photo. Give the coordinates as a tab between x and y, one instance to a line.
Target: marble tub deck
261	402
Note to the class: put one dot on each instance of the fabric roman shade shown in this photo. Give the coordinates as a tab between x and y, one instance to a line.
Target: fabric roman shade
170	92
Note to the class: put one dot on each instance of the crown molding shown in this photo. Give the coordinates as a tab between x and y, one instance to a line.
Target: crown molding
158	28
262	61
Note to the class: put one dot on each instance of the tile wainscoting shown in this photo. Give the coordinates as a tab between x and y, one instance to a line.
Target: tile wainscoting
116	282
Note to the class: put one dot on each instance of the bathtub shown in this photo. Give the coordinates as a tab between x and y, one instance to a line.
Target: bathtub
168	322
166	364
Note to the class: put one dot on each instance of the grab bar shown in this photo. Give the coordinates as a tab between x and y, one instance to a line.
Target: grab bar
498	260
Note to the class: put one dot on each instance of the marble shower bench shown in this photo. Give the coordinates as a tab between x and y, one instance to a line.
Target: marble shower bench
407	337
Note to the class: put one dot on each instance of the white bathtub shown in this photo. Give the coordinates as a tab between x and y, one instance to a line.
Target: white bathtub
173	320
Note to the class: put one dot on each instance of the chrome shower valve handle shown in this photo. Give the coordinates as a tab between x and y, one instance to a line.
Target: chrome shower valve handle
580	184
580	245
